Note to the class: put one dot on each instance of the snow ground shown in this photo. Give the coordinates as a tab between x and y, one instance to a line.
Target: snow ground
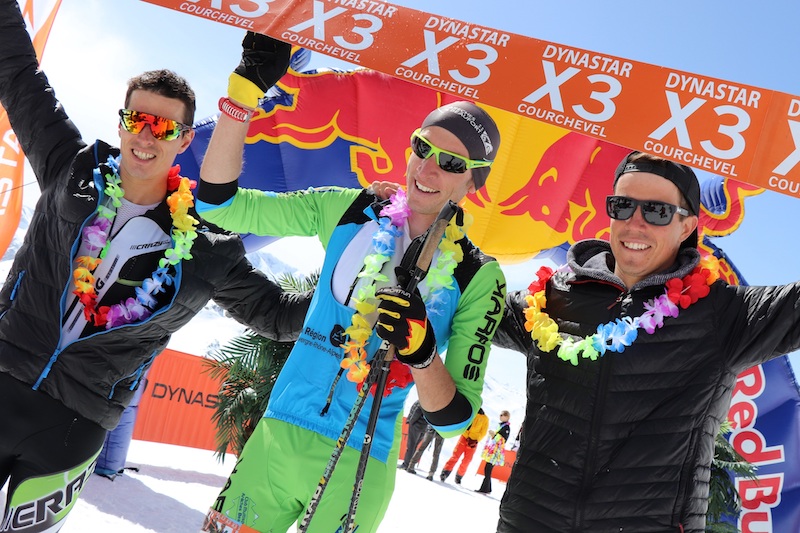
175	485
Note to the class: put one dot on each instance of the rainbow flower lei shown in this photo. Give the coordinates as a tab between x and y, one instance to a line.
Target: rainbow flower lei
615	336
95	237
439	278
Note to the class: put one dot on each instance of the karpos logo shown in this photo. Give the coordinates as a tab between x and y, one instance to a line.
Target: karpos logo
477	352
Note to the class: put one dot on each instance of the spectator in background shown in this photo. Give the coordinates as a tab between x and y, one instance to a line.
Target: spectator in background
465	447
494	451
416	429
438	440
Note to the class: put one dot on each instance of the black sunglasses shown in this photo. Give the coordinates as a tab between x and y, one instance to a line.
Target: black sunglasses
654	212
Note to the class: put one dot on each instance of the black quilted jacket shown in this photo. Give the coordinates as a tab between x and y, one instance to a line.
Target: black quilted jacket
97	376
625	443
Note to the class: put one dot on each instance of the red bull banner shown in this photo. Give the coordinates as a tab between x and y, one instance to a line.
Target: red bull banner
39	16
743	132
764	415
547	186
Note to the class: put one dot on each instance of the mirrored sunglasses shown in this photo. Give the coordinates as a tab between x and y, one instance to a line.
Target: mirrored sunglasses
654	212
163	129
447	161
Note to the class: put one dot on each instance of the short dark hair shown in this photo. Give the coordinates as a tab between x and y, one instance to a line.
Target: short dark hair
165	83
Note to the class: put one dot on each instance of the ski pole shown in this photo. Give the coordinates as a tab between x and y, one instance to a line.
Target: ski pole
423	263
374	373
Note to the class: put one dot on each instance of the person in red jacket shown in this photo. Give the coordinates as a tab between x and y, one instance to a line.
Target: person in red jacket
466	445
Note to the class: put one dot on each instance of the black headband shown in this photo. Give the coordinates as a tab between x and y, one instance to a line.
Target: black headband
474	128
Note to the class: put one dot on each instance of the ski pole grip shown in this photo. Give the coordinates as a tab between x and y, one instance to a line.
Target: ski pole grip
431	243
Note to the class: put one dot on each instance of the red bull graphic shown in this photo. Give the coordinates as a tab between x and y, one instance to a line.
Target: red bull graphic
763	415
568	188
722	209
547	186
361	124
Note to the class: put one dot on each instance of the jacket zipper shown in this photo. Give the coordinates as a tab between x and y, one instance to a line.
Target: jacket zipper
591	455
73	253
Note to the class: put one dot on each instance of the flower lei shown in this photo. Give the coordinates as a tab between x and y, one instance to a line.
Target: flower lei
95	237
615	336
439	278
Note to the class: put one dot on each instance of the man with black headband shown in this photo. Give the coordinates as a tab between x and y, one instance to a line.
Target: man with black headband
633	350
369	244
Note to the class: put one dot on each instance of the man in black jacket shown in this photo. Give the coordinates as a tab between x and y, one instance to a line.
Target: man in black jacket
633	350
115	261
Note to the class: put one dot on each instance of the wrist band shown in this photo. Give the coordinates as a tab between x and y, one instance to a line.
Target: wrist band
237	113
427	362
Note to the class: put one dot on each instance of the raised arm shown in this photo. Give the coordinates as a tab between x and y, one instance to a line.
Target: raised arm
47	136
264	61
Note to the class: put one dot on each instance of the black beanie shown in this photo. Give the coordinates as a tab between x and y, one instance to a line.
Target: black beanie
474	128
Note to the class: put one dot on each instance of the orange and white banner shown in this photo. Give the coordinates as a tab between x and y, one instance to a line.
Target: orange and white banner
39	16
178	402
730	129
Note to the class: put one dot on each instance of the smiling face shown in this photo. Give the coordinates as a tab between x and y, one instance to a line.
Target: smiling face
429	187
640	248
146	160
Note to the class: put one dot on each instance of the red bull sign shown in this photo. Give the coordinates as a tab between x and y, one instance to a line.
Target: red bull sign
739	131
765	424
547	185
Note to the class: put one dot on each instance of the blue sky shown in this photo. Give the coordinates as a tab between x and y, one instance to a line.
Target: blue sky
96	45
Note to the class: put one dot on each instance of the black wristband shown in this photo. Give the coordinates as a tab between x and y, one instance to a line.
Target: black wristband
216	193
426	363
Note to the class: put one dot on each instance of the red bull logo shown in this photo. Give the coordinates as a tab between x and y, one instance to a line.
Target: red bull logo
366	115
568	188
547	185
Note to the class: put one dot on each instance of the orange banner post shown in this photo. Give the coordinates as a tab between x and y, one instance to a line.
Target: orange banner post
730	129
178	402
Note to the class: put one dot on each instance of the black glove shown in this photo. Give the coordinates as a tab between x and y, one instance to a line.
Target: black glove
403	321
264	62
472	443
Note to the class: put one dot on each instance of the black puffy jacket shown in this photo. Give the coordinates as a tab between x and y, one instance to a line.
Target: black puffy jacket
97	376
625	443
